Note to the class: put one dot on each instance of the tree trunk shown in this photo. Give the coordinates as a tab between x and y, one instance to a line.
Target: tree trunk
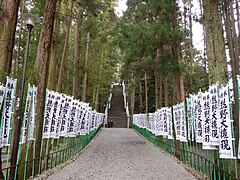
191	46
132	106
18	56
235	38
141	97
65	48
41	64
156	90
217	64
146	92
160	100
233	57
97	99
84	93
166	98
76	52
8	21
54	52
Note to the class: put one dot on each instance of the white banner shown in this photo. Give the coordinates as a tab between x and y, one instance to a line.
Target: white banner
151	116
225	131
214	116
59	119
206	144
199	120
160	122
183	122
49	105
7	111
26	114
65	115
239	149
88	119
80	111
177	122
194	115
170	123
190	119
156	123
83	120
33	114
2	94
55	115
71	122
165	122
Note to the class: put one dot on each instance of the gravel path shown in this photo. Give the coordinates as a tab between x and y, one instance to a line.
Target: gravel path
119	154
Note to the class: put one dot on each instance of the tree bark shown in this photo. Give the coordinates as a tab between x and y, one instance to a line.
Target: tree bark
235	38
76	52
8	21
65	48
141	97
166	98
18	56
191	46
41	66
146	92
234	61
97	100
132	106
156	91
217	64
54	52
84	93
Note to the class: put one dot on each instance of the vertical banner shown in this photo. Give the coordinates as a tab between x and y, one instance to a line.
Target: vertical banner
59	119
2	94
156	122
55	115
170	122
49	105
190	119
225	130
7	111
71	122
206	144
32	114
65	115
80	111
182	117
83	119
214	116
165	122
177	123
238	82
26	115
161	122
194	115
239	149
199	119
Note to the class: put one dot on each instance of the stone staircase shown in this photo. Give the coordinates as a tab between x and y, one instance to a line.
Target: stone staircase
117	112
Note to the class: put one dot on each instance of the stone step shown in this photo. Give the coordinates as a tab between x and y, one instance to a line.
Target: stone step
117	112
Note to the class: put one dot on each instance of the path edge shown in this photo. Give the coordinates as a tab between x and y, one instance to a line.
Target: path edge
195	173
46	174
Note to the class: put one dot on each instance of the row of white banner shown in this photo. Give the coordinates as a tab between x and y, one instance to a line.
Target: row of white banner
206	119
63	116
